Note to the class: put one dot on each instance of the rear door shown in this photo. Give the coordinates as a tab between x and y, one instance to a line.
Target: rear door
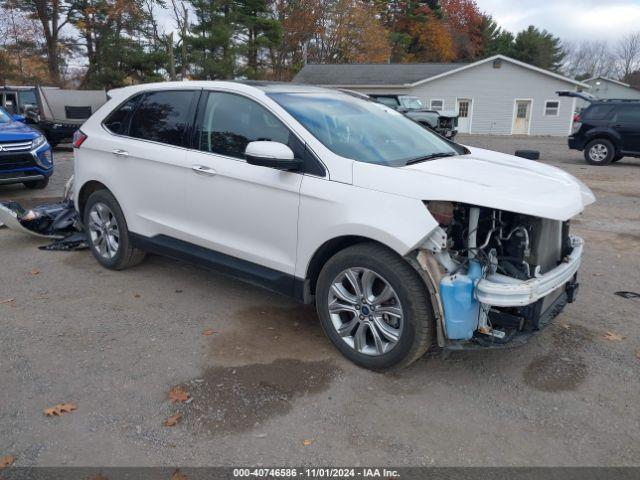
149	157
626	121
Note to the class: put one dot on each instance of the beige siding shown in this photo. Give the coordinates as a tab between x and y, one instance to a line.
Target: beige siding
494	91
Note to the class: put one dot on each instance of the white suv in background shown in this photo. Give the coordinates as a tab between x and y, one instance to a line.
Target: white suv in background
402	238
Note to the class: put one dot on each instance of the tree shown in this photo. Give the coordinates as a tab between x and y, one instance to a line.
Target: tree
628	52
539	48
53	16
121	42
256	32
465	21
211	50
495	40
589	58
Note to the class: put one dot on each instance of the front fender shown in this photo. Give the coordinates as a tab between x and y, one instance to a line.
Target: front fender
331	210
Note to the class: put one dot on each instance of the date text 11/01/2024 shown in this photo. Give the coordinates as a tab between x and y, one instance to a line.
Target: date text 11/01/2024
315	472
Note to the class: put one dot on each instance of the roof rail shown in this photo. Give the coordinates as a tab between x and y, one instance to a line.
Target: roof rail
619	100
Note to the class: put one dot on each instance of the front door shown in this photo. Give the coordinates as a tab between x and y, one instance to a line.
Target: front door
464	114
245	211
522	117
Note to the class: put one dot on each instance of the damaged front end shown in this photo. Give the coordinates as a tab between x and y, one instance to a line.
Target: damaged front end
57	221
499	276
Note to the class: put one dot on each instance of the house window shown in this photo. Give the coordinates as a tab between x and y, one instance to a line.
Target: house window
437	104
551	108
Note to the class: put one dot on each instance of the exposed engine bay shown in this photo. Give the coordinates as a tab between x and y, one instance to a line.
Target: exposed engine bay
484	256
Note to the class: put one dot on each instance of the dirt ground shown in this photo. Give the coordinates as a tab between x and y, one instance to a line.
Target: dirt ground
269	389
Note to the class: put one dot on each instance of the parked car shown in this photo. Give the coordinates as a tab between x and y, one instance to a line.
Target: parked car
606	130
57	113
442	124
25	155
403	240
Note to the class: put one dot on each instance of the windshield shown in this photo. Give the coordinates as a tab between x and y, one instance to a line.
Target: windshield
5	117
362	130
413	103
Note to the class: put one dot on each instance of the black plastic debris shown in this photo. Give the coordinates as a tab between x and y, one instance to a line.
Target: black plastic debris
528	154
58	221
624	294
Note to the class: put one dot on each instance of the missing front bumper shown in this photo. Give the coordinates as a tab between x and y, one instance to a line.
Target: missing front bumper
502	291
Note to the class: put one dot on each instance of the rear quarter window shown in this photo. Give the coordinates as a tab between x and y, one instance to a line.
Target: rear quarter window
597	112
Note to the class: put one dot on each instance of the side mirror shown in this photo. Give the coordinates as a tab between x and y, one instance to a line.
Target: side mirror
19	118
271	154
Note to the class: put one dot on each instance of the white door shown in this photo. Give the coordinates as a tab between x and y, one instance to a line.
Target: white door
522	117
464	114
151	164
245	211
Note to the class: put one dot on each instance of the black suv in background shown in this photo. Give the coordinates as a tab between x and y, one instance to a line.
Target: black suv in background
607	130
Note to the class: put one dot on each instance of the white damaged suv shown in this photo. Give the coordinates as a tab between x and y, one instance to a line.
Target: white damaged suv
403	239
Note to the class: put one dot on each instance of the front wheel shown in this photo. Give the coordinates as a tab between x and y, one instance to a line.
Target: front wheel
374	307
599	152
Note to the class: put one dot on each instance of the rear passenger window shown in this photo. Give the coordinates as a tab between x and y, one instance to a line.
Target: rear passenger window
163	117
231	121
597	112
118	121
628	114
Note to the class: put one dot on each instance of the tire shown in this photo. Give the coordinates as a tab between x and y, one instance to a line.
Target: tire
107	233
617	158
599	152
375	265
38	184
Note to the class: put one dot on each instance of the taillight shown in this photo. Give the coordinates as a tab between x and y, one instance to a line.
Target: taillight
78	138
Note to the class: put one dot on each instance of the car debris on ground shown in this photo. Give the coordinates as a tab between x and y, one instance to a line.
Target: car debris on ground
56	221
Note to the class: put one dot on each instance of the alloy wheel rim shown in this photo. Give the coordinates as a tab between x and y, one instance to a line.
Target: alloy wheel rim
598	152
103	230
365	311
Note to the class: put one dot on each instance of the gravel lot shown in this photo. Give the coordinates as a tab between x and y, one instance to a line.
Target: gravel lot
267	380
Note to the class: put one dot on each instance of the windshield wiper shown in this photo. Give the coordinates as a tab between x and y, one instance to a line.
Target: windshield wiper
430	157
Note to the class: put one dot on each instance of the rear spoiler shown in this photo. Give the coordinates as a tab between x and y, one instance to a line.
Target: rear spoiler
583	95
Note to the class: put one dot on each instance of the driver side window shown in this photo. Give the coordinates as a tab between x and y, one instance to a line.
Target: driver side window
231	121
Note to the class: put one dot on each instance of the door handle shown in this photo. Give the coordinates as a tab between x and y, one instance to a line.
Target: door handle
202	170
120	153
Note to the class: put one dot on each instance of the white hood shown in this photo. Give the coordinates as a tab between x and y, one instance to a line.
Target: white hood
484	178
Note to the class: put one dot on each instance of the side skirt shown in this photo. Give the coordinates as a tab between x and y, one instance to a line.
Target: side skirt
267	278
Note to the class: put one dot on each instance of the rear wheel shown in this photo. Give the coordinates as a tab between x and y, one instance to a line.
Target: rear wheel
107	232
38	184
374	307
599	152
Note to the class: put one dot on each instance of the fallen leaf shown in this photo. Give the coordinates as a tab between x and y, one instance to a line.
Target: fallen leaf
35	271
99	477
8	300
565	326
613	337
173	420
208	332
178	394
638	354
307	442
59	409
178	475
7	460
136	295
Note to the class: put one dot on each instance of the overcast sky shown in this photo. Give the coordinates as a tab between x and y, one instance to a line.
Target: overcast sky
568	19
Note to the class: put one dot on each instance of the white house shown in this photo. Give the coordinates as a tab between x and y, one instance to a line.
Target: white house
605	88
497	95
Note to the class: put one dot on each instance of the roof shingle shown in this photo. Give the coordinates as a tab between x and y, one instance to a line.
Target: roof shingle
372	74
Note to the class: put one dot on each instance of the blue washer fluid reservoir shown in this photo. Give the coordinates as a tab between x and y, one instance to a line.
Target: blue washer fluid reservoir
461	309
